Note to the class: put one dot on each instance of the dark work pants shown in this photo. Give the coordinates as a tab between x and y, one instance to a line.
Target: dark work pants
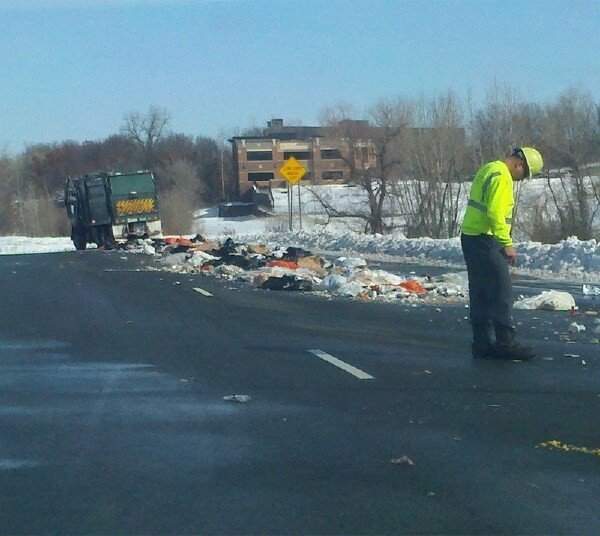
490	286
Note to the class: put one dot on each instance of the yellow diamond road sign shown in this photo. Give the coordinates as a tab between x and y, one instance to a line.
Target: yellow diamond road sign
292	170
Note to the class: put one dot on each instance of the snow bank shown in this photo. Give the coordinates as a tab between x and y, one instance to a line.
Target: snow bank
568	256
18	245
571	257
447	250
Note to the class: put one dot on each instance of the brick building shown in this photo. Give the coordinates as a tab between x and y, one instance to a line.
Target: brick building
324	152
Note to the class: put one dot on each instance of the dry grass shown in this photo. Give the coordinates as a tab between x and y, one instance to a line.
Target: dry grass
176	212
39	217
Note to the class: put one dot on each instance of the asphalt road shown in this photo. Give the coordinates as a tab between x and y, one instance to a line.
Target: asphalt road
112	418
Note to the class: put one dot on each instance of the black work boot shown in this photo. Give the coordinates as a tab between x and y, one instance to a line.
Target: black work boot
483	345
507	348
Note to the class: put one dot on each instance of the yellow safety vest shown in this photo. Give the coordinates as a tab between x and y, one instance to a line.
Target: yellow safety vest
491	203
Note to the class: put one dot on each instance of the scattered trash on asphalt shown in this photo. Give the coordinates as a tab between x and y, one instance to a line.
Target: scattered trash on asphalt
138	245
296	269
413	286
202	291
286	282
242	399
351	264
403	460
575	328
549	300
589	290
554	444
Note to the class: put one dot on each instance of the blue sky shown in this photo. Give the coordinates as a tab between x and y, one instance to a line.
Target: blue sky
71	69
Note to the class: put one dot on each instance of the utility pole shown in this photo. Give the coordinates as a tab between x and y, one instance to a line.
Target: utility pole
19	203
222	170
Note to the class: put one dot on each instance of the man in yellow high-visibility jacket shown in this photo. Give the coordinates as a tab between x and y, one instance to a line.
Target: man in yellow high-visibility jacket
488	251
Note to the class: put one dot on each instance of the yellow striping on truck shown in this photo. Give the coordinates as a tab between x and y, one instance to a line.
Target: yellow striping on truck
134	206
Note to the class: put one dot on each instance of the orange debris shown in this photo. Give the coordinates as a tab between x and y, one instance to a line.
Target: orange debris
413	286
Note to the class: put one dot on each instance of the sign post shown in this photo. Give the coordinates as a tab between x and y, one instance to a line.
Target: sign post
300	206
292	171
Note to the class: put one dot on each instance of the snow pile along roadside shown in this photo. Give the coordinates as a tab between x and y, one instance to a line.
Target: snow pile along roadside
570	257
447	250
19	245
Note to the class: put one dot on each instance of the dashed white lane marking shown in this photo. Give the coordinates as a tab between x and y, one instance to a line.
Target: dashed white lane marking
360	374
202	291
7	464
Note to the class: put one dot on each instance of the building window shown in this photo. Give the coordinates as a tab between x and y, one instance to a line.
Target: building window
254	156
298	155
260	176
362	154
331	154
332	175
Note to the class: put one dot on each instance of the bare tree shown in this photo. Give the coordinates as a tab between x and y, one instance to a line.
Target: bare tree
493	126
146	130
9	209
571	139
432	189
372	151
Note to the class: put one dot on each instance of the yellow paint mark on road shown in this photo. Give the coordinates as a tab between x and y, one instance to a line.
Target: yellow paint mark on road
565	447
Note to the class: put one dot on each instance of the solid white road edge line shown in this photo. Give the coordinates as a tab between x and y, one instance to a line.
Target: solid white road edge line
202	291
360	374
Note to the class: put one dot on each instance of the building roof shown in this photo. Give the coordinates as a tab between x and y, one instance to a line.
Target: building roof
277	130
354	128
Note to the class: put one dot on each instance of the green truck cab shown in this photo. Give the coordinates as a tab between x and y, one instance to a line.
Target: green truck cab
103	207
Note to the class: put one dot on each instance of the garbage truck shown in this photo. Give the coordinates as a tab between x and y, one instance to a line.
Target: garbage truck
103	207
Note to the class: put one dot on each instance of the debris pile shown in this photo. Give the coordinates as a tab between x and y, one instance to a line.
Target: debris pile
138	245
549	300
590	290
296	269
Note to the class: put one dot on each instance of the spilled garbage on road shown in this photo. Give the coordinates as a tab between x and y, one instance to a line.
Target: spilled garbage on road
548	300
296	269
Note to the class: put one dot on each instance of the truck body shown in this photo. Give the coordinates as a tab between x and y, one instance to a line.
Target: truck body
103	207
